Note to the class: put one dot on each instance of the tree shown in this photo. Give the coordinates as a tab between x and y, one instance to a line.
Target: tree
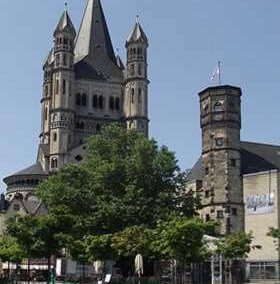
236	246
10	250
37	236
126	181
275	234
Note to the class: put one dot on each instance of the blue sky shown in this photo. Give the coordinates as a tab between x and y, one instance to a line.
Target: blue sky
187	38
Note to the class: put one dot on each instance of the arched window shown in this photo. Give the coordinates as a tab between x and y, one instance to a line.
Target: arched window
111	103
117	102
46	113
64	59
98	127
64	86
94	101
139	95
132	95
101	102
140	69
78	99
84	100
46	90
56	86
54	163
132	69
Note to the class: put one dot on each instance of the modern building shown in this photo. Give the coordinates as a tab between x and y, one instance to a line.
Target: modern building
238	181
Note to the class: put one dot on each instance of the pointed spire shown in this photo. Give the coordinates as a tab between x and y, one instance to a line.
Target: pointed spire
94	40
137	34
65	23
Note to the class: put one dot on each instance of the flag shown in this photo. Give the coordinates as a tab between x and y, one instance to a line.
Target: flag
216	72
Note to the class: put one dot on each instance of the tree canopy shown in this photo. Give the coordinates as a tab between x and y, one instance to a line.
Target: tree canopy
126	181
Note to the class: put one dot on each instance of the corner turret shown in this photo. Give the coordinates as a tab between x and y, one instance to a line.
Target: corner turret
136	86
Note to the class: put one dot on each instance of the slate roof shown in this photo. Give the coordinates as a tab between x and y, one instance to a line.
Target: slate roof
137	35
35	169
93	43
255	157
65	24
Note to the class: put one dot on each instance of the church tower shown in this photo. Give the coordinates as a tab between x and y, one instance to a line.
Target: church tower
62	115
136	84
222	195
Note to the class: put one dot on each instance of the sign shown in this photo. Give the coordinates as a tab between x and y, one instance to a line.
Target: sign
108	278
260	204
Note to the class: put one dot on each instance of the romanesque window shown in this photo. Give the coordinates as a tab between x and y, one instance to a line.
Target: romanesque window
64	86
94	101
117	103
101	102
84	100
132	95
78	99
98	127
46	113
111	103
64	59
139	95
140	69
54	163
220	214
57	60
56	86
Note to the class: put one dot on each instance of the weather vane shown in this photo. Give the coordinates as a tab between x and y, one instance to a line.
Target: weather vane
137	19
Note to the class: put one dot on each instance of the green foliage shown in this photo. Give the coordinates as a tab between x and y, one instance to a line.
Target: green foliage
132	241
236	246
181	238
10	250
36	235
275	234
127	182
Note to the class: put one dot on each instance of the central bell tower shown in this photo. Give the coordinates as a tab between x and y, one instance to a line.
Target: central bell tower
222	195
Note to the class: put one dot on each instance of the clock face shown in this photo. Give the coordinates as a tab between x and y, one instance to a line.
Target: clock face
219	141
218	106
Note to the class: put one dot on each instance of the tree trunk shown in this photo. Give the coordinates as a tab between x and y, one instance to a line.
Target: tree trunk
28	270
49	270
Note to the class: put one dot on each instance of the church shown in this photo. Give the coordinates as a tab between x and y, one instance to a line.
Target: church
86	86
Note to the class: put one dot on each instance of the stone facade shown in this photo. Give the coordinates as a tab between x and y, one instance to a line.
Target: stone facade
85	87
222	196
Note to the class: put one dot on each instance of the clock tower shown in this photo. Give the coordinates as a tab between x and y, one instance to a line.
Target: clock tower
222	194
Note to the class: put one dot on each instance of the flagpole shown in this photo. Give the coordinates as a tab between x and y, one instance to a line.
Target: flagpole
219	68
